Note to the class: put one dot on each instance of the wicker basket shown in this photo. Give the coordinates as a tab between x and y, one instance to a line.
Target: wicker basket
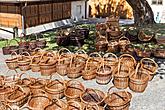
118	100
95	60
160	38
24	81
138	80
73	90
149	66
34	65
57	104
123	42
111	60
55	88
41	43
38	102
144	37
89	73
113	46
24	61
37	86
121	76
18	97
65	56
75	68
93	107
4	92
128	60
47	63
104	73
92	96
12	62
160	51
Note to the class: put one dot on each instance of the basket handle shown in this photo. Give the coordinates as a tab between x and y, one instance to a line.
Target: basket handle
94	53
80	50
55	102
72	101
16	74
25	53
28	76
107	54
47	53
124	38
14	53
62	49
93	90
128	55
13	40
117	94
33	58
51	78
156	65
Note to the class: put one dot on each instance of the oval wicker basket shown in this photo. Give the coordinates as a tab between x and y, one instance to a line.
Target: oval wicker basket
73	90
55	87
38	102
121	76
104	73
138	80
24	61
111	60
47	63
18	97
144	37
149	66
37	86
123	42
113	46
118	100
92	96
12	62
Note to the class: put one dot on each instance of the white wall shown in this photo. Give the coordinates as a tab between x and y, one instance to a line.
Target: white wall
158	9
75	9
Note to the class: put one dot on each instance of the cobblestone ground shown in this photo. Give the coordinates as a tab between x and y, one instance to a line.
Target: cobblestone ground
152	99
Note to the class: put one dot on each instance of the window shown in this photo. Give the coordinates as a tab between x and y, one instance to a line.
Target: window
79	9
157	2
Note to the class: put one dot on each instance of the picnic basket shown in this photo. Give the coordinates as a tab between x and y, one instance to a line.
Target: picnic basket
138	80
55	87
149	66
73	90
118	100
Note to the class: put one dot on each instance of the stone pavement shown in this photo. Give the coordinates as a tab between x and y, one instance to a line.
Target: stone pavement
152	99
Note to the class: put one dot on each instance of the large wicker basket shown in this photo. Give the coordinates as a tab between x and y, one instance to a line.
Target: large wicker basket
18	97
121	76
12	62
138	80
123	42
73	90
55	88
118	100
149	66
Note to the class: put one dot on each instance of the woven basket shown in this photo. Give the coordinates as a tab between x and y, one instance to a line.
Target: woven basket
111	60
160	51
55	88
93	107
149	66
18	97
104	73
61	66
4	92
24	61
123	42
95	60
75	68
41	43
38	102
57	104
138	80
92	96
144	37
37	86
121	77
34	65
128	60
73	90
118	100
160	38
81	56
12	62
47	63
89	73
113	46
65	56
24	80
